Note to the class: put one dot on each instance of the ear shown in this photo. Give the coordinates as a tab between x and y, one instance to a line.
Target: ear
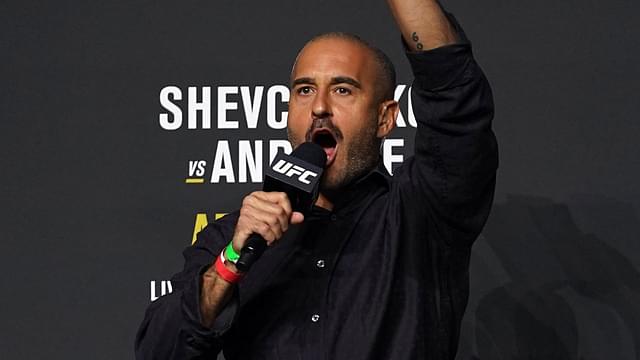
387	114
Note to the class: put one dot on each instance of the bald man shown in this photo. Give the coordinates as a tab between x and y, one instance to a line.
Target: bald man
379	269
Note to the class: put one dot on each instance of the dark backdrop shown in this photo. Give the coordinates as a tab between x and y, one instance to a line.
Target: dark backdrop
93	193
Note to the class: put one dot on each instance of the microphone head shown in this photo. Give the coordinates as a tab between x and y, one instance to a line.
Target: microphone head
298	175
311	153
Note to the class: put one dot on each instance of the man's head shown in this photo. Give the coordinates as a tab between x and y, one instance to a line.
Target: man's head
342	99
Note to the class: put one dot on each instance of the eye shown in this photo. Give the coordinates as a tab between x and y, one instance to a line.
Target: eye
304	90
343	90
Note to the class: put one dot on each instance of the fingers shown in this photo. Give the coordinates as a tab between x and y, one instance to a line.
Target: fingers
276	204
277	197
267	214
297	217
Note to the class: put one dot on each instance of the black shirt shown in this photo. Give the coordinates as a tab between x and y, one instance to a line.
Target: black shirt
385	275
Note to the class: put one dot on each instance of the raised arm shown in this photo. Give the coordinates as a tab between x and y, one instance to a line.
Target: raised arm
454	167
423	24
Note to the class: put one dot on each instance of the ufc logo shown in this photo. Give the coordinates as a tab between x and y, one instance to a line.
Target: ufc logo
288	169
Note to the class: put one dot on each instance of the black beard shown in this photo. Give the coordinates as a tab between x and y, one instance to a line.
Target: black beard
362	157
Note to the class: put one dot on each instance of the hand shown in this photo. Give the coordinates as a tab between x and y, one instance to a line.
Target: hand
267	214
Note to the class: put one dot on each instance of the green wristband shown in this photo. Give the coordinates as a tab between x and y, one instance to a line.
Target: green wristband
230	253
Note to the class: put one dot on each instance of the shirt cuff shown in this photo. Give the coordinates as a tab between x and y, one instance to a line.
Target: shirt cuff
200	334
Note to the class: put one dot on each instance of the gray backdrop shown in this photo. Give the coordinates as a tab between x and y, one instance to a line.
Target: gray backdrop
93	193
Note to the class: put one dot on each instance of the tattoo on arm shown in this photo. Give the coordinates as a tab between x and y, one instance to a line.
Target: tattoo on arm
415	38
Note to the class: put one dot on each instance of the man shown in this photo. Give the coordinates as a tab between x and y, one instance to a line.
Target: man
379	269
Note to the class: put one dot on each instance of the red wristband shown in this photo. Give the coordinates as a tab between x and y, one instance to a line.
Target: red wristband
225	273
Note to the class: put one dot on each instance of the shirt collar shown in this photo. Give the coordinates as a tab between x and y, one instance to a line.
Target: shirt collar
358	190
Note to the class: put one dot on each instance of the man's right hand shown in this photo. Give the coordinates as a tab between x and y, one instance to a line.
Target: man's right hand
267	214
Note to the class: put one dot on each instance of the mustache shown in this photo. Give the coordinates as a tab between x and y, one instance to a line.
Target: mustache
323	123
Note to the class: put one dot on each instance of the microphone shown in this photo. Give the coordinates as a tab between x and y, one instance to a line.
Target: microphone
298	175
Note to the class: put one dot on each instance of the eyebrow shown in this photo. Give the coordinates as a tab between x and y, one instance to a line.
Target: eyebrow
303	80
334	81
345	80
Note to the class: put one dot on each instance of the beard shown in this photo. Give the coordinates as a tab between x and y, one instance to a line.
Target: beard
362	154
361	157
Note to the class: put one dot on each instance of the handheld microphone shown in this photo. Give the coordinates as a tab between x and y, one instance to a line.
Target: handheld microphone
298	175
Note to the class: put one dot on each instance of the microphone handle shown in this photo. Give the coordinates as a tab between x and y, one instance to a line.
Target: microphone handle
252	250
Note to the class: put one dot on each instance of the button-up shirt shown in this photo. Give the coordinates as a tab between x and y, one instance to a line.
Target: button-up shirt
385	274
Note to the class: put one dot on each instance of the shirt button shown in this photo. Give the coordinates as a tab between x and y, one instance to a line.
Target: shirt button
334	218
315	318
320	264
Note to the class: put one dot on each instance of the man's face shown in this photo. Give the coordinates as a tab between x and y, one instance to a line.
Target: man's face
334	103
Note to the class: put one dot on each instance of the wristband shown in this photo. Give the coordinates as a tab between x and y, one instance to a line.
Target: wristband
226	274
230	253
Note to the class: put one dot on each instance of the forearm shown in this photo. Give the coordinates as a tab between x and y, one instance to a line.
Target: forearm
423	23
173	327
216	293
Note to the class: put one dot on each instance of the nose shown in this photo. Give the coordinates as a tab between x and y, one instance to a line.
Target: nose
321	106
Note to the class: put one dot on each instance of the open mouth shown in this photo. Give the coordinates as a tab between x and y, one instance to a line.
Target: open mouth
327	141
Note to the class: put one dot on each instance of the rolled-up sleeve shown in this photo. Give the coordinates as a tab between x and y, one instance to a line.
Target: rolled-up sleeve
454	167
172	326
